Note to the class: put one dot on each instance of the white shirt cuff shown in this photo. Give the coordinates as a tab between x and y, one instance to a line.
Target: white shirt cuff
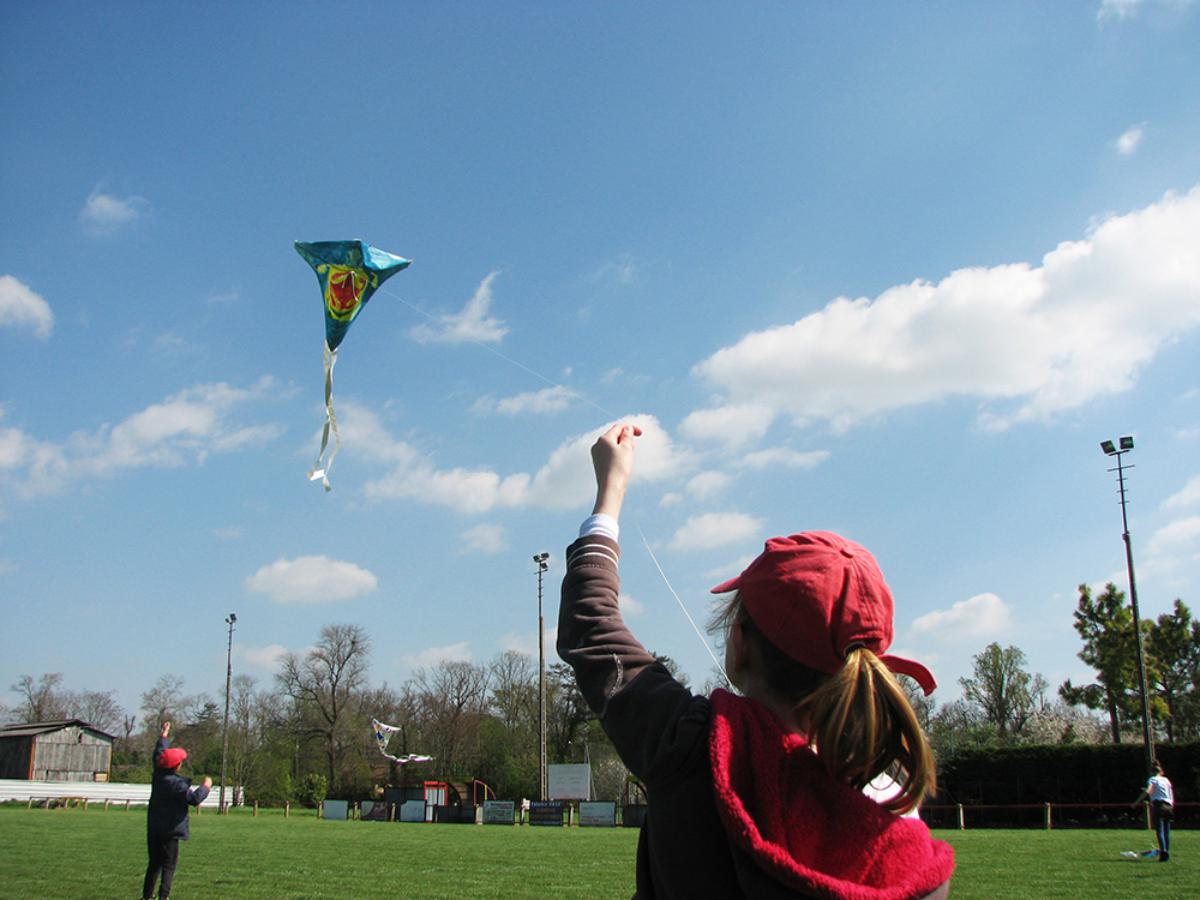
605	526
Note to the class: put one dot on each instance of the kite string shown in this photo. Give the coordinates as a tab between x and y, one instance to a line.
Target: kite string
688	615
611	415
507	359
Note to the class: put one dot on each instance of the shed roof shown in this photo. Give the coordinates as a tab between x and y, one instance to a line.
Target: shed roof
26	729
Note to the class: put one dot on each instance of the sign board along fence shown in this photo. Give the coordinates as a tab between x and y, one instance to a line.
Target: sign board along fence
570	781
598	815
412	811
336	810
499	812
546	812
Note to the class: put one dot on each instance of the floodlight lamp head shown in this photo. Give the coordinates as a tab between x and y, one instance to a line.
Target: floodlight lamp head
1108	447
232	618
1127	442
541	557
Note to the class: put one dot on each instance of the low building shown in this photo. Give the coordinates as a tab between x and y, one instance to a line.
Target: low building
65	750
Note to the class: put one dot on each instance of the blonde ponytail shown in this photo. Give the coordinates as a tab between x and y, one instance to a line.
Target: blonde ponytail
861	724
858	719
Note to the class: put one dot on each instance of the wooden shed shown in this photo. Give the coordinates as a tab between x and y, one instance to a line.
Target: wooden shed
66	750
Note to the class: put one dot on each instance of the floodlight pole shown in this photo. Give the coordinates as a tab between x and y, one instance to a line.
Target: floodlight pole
230	619
542	560
1148	741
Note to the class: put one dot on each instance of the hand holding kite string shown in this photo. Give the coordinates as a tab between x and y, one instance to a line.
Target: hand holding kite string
349	272
612	458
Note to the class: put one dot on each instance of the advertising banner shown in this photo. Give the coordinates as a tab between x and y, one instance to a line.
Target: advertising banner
570	782
412	811
499	812
335	809
598	815
546	812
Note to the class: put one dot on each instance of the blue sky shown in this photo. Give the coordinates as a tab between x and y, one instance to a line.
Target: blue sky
893	272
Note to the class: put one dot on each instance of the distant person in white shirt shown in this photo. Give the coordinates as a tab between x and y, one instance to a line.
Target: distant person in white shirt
1162	808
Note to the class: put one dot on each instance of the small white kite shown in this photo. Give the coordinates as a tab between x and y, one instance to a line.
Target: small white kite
383	733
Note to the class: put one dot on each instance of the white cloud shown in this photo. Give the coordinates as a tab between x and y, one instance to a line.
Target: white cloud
184	427
707	485
984	615
622	270
783	458
1120	10
1173	547
527	642
262	657
1189	495
1117	9
228	532
1130	139
710	530
565	481
1027	342
473	323
22	307
105	213
733	425
629	606
460	652
311	579
547	400
484	538
218	298
721	574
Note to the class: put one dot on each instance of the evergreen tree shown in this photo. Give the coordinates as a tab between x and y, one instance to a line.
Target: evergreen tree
1105	624
1173	657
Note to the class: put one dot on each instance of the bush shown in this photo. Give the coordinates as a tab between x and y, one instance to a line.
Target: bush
312	789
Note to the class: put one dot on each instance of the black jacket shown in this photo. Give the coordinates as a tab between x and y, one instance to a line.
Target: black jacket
170	796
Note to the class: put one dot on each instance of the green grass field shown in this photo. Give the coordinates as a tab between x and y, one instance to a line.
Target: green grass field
72	853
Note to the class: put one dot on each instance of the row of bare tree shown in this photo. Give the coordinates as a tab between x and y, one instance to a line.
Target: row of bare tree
481	720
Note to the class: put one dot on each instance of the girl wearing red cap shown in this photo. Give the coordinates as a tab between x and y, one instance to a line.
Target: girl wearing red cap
761	795
167	816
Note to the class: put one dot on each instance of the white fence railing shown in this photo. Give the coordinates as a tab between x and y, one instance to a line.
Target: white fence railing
92	791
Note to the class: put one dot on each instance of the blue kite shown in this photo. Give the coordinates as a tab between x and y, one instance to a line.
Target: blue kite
349	273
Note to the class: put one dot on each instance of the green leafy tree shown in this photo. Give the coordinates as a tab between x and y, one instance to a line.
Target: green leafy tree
1006	693
1105	624
312	789
1173	654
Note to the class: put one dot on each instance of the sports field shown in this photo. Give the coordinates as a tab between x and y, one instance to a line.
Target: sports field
72	853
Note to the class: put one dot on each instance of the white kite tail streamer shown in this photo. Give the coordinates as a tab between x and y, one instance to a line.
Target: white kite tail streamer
383	733
320	470
688	615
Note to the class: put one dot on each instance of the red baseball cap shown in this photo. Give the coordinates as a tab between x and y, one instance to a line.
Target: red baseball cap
172	758
816	596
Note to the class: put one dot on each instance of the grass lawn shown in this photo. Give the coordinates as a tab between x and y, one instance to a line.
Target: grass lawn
72	853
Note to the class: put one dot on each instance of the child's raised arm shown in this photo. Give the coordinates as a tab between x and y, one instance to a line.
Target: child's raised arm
612	458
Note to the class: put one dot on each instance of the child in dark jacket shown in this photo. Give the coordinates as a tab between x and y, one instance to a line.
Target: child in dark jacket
167	816
761	795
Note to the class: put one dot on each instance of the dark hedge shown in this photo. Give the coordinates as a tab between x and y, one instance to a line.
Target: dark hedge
1070	773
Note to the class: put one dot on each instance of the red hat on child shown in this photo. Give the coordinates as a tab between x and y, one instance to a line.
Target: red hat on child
172	758
816	596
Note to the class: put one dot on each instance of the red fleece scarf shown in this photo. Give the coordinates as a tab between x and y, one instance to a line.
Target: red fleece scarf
818	836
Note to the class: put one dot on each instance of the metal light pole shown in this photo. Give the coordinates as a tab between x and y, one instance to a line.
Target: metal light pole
225	728
543	563
1124	445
